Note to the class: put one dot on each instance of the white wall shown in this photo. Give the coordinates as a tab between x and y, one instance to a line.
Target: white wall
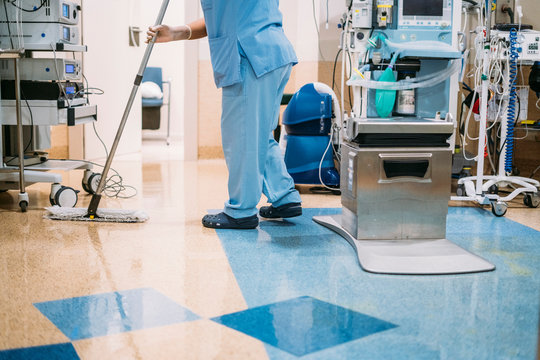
111	64
299	26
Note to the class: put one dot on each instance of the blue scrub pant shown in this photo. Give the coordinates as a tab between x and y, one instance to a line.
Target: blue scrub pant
250	112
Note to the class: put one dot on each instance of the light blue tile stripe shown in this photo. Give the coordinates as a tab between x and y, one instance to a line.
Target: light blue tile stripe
112	313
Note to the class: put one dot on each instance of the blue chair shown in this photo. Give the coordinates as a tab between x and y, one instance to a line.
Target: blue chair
152	107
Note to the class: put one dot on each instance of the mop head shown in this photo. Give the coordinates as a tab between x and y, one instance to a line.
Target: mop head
103	215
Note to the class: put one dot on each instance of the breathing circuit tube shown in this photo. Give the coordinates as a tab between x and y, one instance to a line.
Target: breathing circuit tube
511	112
423	81
406	84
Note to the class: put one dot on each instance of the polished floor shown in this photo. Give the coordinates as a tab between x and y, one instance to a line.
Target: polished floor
171	289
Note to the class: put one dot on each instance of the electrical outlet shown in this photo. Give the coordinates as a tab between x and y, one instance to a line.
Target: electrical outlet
503	17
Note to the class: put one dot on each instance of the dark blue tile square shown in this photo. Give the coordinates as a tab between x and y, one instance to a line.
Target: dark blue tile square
58	352
303	325
112	313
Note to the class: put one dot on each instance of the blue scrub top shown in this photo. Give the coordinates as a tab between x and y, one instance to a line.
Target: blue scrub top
252	28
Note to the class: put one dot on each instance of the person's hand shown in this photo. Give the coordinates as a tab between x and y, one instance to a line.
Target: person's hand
166	33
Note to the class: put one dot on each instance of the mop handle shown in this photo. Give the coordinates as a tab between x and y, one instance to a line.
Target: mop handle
138	79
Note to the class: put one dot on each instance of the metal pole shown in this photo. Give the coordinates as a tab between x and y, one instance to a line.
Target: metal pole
94	203
484	104
19	126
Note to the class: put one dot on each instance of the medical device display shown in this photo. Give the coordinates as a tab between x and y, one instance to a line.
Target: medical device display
39	11
527	44
37	24
43	69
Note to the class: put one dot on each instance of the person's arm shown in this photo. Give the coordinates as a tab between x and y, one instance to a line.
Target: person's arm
165	33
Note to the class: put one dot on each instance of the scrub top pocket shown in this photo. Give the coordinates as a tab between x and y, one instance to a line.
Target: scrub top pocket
225	60
207	4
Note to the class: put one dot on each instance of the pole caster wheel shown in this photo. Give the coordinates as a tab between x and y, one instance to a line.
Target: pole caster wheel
24	200
460	191
499	208
63	196
531	200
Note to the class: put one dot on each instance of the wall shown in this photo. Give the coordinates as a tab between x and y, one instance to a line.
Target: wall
111	64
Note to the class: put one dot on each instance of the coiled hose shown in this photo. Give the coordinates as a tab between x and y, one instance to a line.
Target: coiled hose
511	112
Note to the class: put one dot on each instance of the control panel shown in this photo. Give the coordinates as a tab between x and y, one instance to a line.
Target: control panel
528	44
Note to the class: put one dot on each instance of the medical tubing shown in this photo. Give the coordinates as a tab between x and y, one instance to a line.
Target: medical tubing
332	129
414	83
511	110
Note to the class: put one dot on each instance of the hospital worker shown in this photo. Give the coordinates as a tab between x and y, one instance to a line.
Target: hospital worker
252	61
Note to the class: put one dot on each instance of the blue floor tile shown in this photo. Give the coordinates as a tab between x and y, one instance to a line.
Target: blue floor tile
304	325
487	316
113	313
57	352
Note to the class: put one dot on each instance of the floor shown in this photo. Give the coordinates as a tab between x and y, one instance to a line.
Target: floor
171	289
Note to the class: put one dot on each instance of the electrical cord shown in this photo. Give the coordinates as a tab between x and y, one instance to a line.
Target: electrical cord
58	76
26	10
332	130
8	27
534	172
114	185
31	122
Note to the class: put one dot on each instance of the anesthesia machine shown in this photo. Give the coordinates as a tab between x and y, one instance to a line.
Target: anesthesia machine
396	143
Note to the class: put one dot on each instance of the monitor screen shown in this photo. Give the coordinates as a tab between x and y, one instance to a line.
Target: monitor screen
70	90
423	7
66	34
65	10
70	69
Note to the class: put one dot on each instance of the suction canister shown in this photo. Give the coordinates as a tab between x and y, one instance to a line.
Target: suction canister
406	99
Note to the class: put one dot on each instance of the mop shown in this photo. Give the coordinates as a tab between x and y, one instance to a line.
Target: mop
111	215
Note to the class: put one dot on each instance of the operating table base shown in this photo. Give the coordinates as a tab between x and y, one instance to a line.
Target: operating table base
409	257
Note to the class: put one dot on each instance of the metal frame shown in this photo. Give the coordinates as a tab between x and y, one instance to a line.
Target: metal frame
169	85
23	196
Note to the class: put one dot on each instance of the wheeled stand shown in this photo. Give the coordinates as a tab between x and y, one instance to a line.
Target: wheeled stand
395	199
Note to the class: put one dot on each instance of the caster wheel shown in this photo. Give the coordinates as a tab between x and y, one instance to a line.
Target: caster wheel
460	191
493	189
65	197
531	200
91	185
499	208
23	205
